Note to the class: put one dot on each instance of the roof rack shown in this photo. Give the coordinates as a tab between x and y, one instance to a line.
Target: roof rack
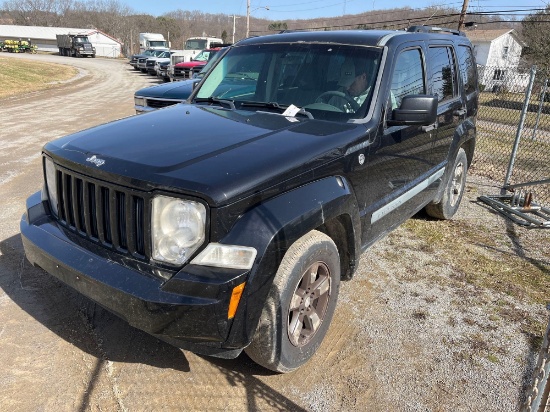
433	29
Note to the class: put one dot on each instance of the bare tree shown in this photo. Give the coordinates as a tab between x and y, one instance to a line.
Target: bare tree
535	32
37	12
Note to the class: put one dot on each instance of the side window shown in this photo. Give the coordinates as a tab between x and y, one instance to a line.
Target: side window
408	77
467	69
443	74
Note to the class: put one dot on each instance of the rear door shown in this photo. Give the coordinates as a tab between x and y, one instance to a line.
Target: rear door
451	109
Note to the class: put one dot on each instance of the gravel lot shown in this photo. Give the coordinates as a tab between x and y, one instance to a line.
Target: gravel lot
409	334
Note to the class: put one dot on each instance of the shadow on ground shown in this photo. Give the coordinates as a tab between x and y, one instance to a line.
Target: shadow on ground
94	330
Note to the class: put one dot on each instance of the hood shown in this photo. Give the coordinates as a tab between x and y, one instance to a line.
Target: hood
216	154
190	64
173	90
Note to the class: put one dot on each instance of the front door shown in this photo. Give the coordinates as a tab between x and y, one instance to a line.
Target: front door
400	164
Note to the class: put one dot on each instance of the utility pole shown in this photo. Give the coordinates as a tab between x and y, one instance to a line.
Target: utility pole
462	15
234	18
247	18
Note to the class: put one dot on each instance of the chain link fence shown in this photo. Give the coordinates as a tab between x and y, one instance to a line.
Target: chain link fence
513	131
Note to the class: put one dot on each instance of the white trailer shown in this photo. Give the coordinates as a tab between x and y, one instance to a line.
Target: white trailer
153	41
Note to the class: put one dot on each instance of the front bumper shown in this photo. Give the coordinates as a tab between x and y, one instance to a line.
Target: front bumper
189	310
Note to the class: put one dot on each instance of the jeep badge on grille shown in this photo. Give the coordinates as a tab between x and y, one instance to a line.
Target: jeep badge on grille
96	161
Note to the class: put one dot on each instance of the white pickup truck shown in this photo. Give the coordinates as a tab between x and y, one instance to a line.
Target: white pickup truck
193	46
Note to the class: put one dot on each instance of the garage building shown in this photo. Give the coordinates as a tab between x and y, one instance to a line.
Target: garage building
44	38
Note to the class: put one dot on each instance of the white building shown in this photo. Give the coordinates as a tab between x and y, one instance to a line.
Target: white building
44	38
498	53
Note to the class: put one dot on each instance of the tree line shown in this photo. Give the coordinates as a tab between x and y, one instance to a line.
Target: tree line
123	23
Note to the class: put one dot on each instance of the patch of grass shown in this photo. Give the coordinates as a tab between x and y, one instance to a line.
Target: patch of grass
506	109
493	358
18	76
475	254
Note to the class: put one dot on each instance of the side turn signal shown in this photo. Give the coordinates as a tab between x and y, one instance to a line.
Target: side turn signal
235	299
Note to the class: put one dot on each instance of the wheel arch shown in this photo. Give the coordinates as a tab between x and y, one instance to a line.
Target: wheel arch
464	138
327	205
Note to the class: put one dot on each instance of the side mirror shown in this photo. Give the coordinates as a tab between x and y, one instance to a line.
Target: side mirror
195	84
417	109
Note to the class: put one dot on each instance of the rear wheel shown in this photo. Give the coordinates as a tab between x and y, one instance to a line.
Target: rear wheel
454	190
300	304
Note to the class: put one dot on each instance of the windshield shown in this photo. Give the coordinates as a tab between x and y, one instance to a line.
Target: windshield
214	57
195	44
202	56
330	82
157	43
157	53
164	54
81	39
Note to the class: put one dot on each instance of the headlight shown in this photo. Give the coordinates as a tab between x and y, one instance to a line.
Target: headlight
178	229
51	184
139	101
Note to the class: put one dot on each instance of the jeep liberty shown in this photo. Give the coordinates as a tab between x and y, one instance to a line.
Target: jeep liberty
227	223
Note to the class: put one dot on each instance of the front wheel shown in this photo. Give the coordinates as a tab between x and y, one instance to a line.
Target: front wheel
300	305
454	190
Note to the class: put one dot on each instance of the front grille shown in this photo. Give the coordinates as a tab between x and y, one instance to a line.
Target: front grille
142	60
112	216
159	104
182	72
150	63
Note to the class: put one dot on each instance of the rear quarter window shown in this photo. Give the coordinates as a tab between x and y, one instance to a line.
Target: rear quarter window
443	80
467	68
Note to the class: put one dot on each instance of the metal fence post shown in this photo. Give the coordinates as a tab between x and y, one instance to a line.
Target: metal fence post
543	94
520	126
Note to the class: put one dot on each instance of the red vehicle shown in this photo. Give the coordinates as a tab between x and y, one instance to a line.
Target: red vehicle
186	70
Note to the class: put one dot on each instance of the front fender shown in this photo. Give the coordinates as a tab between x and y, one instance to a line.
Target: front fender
273	226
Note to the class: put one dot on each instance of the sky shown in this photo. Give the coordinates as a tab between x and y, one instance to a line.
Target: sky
280	10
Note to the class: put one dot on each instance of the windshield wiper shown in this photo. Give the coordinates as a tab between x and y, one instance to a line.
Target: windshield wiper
272	105
221	102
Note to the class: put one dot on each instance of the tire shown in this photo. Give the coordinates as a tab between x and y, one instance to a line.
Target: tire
454	190
292	324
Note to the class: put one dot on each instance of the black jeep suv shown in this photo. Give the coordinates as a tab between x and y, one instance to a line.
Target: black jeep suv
228	222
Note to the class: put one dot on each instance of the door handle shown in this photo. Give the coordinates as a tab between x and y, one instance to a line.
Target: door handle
460	112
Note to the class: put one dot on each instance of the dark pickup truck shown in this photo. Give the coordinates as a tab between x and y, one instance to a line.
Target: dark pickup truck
227	223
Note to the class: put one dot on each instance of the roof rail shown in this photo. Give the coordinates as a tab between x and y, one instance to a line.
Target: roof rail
292	31
433	29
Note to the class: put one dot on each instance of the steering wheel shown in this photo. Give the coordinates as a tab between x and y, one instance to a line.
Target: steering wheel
333	93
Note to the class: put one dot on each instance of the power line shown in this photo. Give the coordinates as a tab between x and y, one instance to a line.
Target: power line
408	21
273	8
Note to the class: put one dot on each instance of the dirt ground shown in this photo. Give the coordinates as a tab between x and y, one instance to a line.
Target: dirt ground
410	332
